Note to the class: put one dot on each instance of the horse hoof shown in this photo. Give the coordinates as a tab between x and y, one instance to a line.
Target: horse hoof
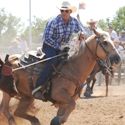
87	94
55	121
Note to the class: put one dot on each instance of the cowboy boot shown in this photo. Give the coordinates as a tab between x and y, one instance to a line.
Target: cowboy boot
38	93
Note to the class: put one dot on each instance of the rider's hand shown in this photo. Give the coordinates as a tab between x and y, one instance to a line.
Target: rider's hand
66	49
81	37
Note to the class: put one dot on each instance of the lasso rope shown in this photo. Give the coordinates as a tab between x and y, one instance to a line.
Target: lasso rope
23	67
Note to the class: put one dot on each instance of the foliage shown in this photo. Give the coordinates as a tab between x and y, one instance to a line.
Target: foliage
102	24
9	26
37	28
119	20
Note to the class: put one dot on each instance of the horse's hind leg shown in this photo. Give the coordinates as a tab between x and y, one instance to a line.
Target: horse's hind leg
4	108
107	82
89	90
93	83
22	108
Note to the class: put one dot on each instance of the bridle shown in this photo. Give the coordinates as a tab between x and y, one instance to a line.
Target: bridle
106	63
99	43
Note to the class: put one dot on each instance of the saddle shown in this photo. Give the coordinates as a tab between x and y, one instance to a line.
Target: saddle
31	57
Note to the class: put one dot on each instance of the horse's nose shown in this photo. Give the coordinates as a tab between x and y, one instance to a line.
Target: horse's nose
115	59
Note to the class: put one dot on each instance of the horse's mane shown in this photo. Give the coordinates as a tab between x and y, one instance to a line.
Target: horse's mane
78	50
74	45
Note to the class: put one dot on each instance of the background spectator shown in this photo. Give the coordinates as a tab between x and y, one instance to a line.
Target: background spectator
122	37
92	24
114	36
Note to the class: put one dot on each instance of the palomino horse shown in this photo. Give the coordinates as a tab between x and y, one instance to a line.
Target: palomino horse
66	85
107	71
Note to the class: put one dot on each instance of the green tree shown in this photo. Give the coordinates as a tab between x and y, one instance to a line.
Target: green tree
38	26
9	26
119	20
102	24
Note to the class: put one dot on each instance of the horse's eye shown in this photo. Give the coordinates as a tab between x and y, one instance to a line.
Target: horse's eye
105	43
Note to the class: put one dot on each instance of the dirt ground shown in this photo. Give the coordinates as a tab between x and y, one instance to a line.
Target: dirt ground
98	110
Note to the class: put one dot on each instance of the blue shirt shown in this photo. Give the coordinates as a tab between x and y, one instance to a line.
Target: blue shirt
57	32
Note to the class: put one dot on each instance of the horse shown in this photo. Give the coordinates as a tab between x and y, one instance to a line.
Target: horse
107	71
65	85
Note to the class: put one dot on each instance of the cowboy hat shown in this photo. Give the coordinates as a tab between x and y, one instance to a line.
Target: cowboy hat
65	5
91	21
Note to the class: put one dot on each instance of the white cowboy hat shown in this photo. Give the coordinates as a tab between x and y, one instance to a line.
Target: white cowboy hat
91	21
65	5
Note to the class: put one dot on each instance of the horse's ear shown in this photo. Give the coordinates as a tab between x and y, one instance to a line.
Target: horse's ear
96	32
7	58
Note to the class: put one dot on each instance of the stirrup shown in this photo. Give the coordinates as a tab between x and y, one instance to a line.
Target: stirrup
38	94
36	89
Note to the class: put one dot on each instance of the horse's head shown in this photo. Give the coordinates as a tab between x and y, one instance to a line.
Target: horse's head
103	47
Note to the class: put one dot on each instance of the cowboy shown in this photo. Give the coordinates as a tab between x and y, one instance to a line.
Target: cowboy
112	33
57	32
121	42
122	37
114	36
92	24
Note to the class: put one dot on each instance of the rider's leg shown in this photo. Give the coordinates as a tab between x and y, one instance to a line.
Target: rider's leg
48	68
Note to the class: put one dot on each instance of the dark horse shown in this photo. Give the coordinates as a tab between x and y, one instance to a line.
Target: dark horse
65	85
106	70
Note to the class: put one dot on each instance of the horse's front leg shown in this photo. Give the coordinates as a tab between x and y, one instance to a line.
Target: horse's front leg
4	109
65	109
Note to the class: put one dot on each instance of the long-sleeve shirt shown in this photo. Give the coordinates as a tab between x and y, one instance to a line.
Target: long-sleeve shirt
57	32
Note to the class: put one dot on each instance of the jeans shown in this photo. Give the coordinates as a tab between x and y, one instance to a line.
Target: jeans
48	67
